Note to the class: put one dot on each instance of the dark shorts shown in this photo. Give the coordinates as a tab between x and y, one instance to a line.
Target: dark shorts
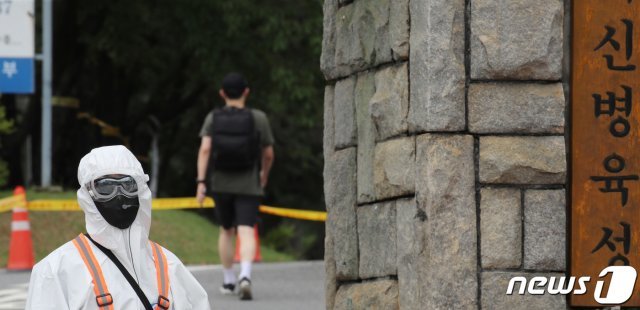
234	210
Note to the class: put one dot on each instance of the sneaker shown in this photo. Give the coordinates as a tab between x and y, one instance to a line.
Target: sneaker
227	289
245	289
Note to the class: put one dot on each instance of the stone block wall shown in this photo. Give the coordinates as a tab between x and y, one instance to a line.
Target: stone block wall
445	154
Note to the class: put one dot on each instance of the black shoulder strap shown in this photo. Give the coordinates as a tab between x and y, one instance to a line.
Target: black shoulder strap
125	273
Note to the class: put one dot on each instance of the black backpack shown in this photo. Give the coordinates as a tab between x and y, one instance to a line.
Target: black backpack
234	140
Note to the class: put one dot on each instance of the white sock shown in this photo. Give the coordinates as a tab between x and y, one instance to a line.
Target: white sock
245	270
229	276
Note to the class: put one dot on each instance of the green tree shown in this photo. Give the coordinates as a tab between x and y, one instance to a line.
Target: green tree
6	126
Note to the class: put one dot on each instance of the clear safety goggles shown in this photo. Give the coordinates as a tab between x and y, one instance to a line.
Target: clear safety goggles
106	187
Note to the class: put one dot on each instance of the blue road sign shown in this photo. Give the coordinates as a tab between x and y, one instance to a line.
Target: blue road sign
16	76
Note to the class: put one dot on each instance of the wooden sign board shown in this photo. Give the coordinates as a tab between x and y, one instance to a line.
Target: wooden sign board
605	150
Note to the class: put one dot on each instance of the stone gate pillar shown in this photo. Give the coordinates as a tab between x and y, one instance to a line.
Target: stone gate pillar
445	158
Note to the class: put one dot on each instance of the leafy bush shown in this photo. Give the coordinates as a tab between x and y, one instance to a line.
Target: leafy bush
6	126
292	239
4	173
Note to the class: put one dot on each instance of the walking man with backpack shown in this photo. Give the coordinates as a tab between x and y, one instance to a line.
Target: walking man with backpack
234	160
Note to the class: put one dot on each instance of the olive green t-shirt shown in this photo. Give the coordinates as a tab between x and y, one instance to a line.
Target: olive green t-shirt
239	182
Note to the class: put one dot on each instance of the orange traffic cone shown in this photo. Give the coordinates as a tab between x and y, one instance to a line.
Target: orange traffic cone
20	247
258	256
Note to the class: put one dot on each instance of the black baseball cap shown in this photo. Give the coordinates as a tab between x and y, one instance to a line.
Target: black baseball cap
234	85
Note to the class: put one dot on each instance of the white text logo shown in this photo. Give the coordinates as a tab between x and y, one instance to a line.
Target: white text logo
623	280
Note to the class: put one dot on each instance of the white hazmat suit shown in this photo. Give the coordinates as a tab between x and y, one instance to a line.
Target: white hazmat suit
62	281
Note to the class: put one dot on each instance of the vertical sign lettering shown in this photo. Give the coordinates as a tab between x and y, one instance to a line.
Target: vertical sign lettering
605	150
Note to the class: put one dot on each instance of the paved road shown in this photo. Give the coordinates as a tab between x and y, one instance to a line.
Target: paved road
281	286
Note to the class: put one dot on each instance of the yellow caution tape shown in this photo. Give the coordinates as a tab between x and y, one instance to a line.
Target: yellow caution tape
7	204
54	205
65	102
157	204
179	203
295	214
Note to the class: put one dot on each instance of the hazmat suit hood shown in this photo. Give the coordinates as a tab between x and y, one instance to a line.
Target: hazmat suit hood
115	159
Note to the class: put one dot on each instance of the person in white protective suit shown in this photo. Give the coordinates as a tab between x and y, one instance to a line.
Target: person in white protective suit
117	205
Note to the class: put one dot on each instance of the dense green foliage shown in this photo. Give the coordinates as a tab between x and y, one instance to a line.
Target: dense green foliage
137	64
6	126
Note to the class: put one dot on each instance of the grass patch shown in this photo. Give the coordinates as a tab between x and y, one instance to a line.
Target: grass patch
190	236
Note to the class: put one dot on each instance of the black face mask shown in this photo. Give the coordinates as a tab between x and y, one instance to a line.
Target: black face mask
120	211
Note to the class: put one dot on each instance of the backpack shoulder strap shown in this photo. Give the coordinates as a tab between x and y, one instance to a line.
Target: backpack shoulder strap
215	120
162	275
103	297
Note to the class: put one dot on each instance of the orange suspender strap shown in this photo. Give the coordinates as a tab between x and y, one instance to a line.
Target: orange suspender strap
103	298
162	275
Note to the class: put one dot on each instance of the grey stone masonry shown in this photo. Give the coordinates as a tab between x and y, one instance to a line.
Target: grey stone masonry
394	168
328	144
365	89
377	240
349	56
436	59
380	294
500	228
341	206
544	230
363	34
330	283
445	153
523	160
399	29
516	39
495	284
328	133
411	250
445	185
344	113
327	59
390	104
516	108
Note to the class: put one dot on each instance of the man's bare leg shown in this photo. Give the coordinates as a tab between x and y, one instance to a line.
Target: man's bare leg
247	252
225	246
226	252
247	249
